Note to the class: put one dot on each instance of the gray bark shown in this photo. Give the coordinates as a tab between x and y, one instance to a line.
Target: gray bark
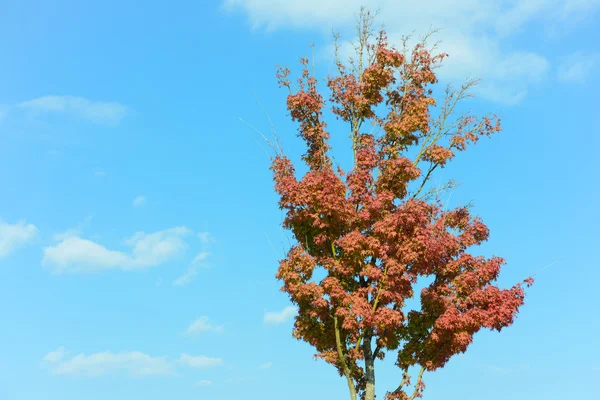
369	368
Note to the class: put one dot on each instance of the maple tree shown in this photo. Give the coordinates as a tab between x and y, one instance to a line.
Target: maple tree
374	231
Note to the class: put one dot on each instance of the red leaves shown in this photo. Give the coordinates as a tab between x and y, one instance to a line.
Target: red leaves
395	175
372	241
438	155
354	98
470	129
359	181
306	107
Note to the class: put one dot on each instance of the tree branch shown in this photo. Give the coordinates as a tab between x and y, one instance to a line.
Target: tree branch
405	377
375	303
377	350
431	169
450	101
418	385
342	359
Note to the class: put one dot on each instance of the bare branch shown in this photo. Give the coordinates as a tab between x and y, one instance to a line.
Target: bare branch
418	385
272	126
431	169
273	146
544	267
436	192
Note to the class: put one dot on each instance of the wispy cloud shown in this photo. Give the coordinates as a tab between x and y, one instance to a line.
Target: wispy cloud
132	363
477	34
266	365
203	255
67	234
71	232
203	383
239	380
203	325
205	237
193	270
187	277
74	254
578	67
279	317
138	201
200	361
55	356
14	236
101	112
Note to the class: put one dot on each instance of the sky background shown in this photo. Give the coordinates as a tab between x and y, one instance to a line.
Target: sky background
140	233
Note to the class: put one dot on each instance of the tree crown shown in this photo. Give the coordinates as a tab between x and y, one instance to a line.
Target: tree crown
373	230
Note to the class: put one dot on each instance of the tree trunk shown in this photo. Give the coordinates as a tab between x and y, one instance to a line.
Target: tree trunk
369	368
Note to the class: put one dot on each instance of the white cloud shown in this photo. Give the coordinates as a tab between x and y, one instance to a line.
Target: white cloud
239	380
71	232
55	356
203	383
308	13
95	111
156	248
202	325
475	33
139	201
133	363
266	365
325	14
200	361
14	236
187	277
578	67
200	257
570	7
74	254
205	237
193	270
275	318
66	234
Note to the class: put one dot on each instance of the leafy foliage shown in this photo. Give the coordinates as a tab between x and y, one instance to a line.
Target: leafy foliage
372	229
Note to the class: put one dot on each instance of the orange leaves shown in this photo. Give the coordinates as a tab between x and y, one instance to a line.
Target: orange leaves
438	155
372	241
469	129
395	175
359	180
355	97
305	106
282	76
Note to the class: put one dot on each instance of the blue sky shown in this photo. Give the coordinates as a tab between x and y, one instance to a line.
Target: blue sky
139	231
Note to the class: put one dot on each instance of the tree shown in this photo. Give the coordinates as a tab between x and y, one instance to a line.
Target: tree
374	230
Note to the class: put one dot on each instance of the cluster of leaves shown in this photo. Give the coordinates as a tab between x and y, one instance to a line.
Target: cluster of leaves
371	229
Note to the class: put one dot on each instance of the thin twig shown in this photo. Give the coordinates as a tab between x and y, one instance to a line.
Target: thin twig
544	267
